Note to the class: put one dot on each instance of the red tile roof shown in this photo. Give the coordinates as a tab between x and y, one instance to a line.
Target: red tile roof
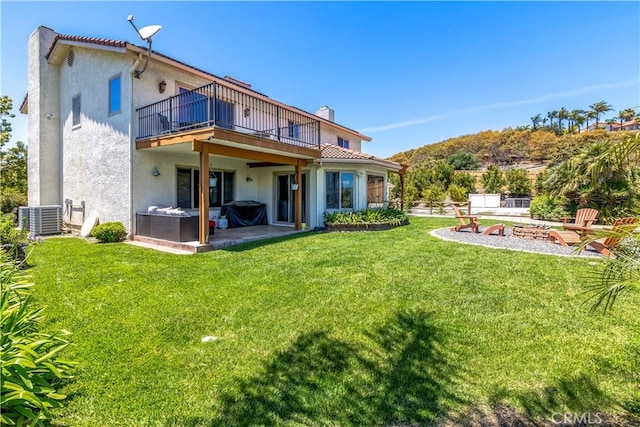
334	152
83	39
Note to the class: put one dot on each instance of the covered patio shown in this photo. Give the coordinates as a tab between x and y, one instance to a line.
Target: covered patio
223	238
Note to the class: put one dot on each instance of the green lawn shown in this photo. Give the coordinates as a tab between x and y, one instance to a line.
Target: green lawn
375	328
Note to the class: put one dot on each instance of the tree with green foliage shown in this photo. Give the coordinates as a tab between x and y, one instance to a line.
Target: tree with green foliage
600	177
493	179
465	180
620	273
13	164
598	108
518	182
433	193
463	160
536	120
458	193
5	126
626	115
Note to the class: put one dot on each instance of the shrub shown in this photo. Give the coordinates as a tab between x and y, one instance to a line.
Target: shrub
457	193
433	193
547	207
109	232
31	367
367	216
9	234
518	182
493	179
10	199
465	180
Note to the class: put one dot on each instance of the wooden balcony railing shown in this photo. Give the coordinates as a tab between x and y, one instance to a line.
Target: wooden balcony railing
216	105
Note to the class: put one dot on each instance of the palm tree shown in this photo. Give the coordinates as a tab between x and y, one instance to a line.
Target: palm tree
599	108
563	114
579	120
544	121
620	273
551	115
589	115
536	120
626	115
574	117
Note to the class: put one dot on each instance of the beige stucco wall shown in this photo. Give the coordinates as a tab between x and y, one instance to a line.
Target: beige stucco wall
43	162
329	135
96	153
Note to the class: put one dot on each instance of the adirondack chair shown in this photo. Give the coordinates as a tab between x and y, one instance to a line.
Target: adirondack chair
620	226
583	221
466	221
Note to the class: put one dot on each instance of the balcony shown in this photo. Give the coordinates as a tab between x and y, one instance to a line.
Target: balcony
221	107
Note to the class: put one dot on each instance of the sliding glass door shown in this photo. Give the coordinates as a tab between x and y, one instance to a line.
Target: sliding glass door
285	198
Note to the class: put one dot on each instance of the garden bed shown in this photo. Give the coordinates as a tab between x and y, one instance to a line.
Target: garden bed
365	227
365	220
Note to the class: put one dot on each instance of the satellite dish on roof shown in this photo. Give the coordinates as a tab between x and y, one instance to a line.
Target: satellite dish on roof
145	34
149	31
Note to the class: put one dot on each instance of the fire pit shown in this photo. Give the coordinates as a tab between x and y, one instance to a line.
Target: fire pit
531	232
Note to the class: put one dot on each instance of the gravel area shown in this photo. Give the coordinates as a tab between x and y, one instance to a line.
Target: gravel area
511	243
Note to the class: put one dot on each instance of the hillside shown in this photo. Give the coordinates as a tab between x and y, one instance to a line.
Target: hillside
509	146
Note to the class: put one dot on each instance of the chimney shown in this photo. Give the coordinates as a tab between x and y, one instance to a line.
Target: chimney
326	113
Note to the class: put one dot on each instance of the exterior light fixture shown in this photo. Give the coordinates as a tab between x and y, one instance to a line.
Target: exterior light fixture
162	86
155	171
247	112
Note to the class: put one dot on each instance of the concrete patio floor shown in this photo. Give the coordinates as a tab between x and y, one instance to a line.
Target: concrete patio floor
220	240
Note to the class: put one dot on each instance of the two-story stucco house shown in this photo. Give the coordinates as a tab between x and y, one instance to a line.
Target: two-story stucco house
118	140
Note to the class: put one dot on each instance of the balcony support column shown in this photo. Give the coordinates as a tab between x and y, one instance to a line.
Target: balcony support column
298	195
203	198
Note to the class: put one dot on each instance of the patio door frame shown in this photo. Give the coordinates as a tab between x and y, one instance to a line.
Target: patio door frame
303	187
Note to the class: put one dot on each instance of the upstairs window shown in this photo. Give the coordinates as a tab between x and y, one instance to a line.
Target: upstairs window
115	89
75	110
344	143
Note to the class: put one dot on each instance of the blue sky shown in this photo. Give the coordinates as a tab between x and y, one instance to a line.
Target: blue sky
405	73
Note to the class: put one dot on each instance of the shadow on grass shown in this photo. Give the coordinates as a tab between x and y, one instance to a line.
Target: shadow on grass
400	374
241	247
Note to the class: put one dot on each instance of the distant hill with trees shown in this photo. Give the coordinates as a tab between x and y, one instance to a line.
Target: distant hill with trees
508	147
551	158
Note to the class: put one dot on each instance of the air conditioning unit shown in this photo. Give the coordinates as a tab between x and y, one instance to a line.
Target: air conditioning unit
23	217
45	220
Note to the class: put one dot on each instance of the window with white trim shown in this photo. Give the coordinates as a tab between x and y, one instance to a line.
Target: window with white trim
339	190
375	191
188	188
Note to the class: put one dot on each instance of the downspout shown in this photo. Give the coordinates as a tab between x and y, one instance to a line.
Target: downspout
132	144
